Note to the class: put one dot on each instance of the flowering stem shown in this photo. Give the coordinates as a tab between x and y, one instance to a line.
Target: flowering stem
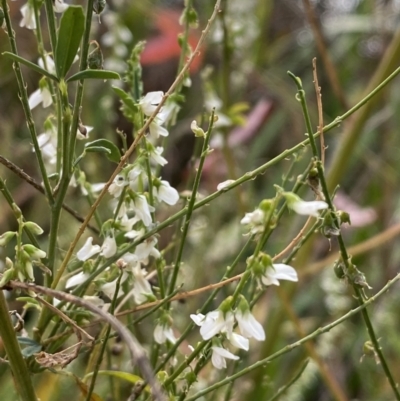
206	304
21	375
51	21
25	104
350	269
138	138
104	343
261	363
191	203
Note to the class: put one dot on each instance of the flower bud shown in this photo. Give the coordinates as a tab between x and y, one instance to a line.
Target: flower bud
6	237
33	228
197	130
33	252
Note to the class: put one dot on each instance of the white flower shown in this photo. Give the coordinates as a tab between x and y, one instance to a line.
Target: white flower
249	326
50	65
255	221
162	333
165	193
109	247
76	279
213	323
279	271
142	209
59	6
28	16
155	155
115	189
141	287
41	95
149	103
156	130
47	142
219	355
88	250
302	207
225	184
146	249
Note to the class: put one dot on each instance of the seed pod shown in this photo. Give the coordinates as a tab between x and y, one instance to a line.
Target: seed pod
95	58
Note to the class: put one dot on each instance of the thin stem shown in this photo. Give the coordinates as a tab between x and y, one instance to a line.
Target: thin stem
21	375
25	104
290	347
191	203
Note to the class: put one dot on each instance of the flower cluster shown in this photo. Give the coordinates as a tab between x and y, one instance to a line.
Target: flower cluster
221	322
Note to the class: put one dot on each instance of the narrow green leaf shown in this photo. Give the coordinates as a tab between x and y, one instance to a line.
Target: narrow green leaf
30	65
106	146
70	33
94	74
120	375
126	98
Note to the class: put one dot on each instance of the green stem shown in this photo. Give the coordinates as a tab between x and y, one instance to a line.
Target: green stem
25	104
21	375
350	269
191	204
51	21
263	362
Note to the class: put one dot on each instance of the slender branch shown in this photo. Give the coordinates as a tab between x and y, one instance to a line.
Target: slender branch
138	354
290	347
320	111
21	375
135	143
32	182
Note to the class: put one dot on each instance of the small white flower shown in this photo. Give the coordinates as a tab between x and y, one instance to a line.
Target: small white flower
47	142
88	250
249	326
165	193
59	6
117	186
28	16
196	129
255	220
142	291
279	271
162	333
142	209
50	65
219	355
156	130
146	249
213	323
302	207
109	247
225	184
41	95
150	102
155	155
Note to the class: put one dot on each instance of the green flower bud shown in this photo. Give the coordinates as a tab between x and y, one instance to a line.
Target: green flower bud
33	252
6	237
198	132
33	228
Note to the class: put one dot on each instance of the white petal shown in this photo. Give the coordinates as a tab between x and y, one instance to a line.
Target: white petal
156	130
218	357
88	250
35	98
285	272
46	97
28	17
109	247
239	341
76	280
166	193
59	6
159	334
308	208
249	326
198	319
